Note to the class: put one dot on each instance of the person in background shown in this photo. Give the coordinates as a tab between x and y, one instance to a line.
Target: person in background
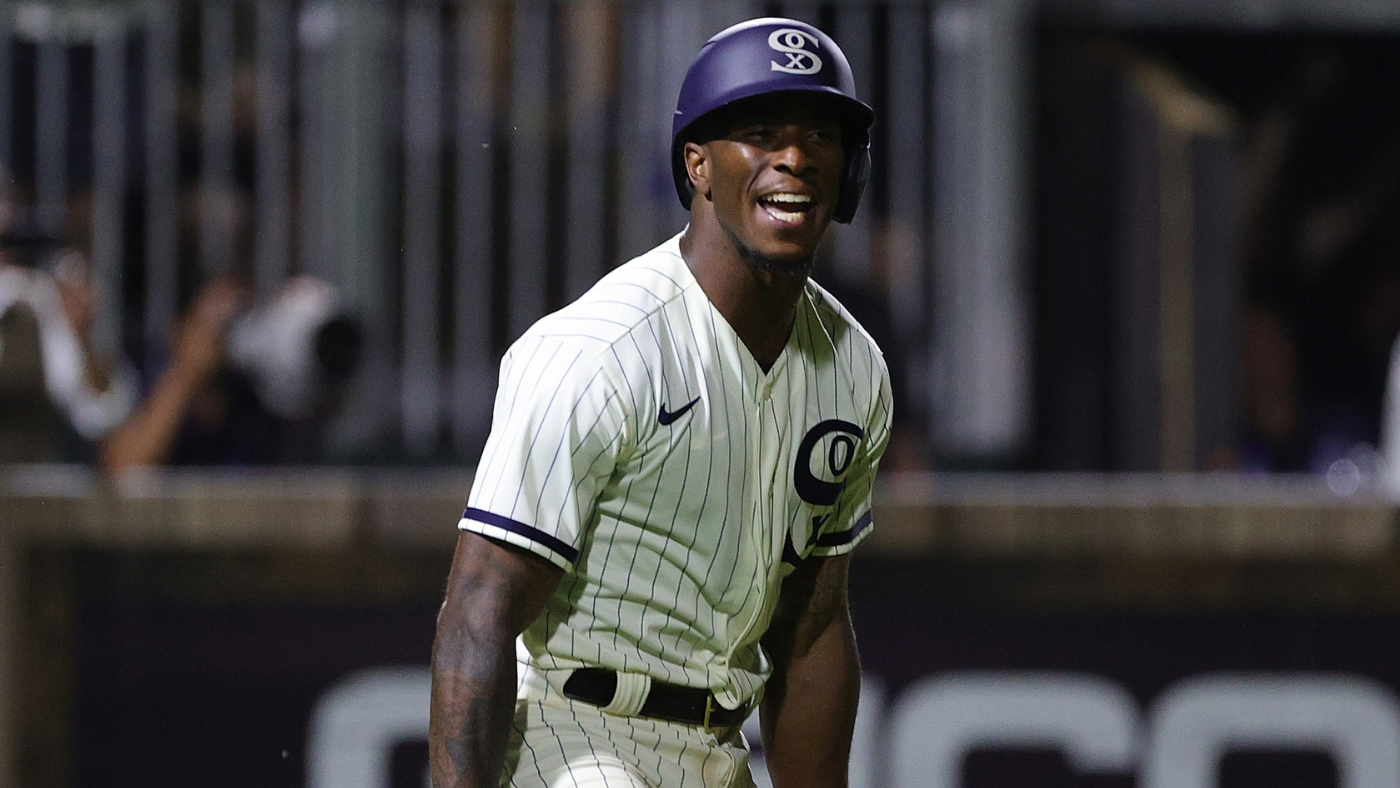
1275	438
58	394
242	383
197	412
246	384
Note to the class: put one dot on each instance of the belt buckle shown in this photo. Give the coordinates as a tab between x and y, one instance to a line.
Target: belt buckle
709	707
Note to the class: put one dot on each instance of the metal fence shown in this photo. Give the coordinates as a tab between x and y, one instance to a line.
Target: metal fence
458	169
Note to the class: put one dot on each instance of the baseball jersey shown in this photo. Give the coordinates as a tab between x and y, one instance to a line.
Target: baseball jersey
638	445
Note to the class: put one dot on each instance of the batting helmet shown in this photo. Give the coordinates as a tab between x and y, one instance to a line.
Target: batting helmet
774	55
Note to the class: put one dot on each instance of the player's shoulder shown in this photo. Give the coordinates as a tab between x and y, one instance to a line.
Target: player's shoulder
622	301
839	324
853	353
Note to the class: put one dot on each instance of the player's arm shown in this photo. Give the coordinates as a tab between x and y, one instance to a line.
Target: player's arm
494	591
809	706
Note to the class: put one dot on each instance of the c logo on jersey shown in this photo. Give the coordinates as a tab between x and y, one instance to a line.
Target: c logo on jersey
838	439
793	43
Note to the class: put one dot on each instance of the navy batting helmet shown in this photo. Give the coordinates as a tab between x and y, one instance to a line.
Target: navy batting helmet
774	55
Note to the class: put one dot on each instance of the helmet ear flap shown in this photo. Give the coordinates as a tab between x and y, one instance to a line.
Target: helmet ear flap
853	185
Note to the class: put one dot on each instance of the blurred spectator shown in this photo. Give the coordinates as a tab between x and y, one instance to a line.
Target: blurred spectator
52	380
1285	430
241	383
244	385
1321	200
189	414
1273	438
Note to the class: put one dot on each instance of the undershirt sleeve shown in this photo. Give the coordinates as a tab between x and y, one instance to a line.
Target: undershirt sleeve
555	435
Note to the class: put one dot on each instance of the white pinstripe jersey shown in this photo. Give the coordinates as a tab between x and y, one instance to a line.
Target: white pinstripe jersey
637	444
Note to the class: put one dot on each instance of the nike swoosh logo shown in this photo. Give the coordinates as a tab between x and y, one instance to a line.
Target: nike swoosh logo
668	416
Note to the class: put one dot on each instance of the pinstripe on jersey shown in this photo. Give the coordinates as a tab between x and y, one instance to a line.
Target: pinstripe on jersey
676	536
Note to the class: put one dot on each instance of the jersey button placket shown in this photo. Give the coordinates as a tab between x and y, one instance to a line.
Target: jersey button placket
762	459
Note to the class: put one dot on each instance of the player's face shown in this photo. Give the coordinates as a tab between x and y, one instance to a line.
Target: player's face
775	176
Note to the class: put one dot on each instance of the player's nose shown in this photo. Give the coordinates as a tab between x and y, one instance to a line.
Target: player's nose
793	157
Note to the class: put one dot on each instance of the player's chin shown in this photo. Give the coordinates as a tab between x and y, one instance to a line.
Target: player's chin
784	259
792	253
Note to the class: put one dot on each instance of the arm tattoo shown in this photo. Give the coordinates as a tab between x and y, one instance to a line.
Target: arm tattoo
493	595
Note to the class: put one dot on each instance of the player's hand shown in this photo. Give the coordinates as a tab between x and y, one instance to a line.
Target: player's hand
199	345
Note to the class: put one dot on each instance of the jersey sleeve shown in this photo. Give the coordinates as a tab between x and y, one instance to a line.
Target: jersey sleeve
555	435
853	518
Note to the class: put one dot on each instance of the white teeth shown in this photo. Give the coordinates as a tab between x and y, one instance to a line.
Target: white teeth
771	202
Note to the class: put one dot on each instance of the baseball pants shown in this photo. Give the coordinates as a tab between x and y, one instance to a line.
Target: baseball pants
562	743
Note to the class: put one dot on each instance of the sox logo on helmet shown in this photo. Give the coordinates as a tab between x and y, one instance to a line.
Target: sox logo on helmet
793	43
774	55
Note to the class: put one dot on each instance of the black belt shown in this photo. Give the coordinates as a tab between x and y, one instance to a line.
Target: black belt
671	702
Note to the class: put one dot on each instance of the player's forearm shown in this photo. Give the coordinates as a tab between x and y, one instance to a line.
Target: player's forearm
809	711
493	593
472	702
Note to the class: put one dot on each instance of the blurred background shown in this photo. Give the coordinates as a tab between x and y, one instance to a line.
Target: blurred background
1134	264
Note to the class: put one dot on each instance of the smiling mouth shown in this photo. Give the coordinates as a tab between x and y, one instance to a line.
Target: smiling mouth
787	207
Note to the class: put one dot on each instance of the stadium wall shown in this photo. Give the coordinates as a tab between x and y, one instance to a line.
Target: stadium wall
274	629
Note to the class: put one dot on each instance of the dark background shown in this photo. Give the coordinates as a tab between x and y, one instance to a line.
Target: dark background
193	668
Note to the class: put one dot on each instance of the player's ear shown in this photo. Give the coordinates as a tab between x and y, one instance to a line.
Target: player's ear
697	166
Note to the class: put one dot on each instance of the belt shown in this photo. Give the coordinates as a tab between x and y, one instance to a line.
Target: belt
670	702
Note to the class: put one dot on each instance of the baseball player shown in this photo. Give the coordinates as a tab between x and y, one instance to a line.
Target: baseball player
680	461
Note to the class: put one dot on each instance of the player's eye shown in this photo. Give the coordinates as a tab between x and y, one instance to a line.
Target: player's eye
756	134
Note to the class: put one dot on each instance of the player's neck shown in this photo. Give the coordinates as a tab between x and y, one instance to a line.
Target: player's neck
759	305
